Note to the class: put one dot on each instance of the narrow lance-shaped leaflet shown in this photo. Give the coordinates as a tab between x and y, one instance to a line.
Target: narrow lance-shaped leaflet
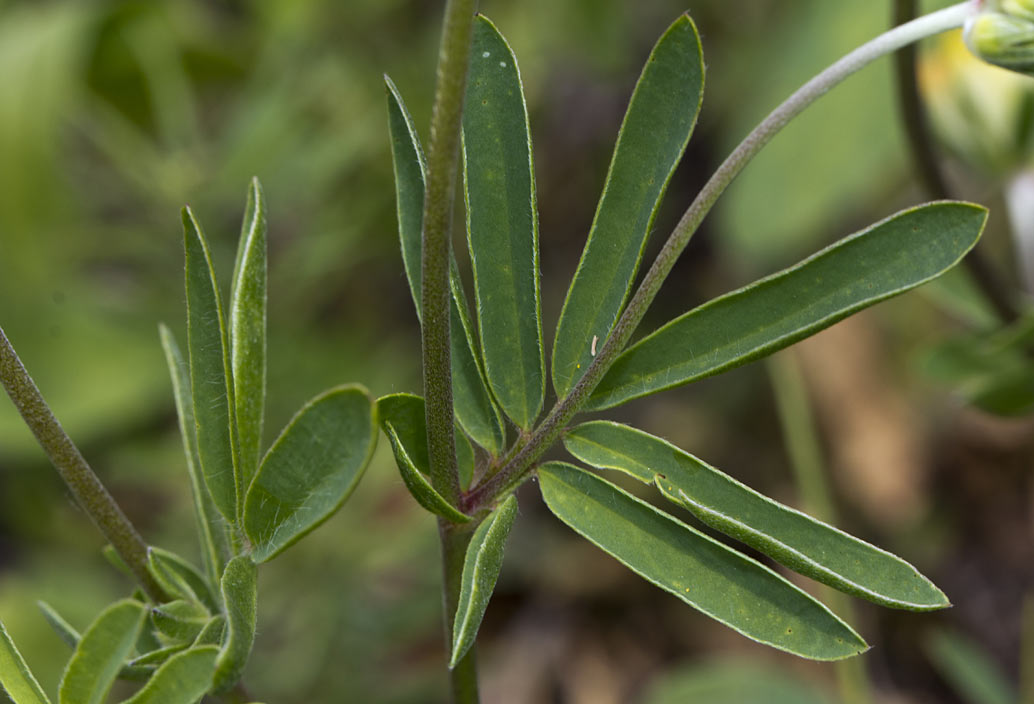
248	334
794	539
15	676
215	545
101	652
406	414
209	372
658	123
722	583
481	567
884	260
502	226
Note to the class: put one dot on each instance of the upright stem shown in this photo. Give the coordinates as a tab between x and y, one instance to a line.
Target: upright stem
453	61
928	170
443	155
551	428
87	488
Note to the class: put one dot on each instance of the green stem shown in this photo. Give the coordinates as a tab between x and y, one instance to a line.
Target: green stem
454	540
443	155
442	165
802	446
549	431
913	119
87	488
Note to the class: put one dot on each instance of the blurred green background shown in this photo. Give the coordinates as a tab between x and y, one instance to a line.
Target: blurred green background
113	114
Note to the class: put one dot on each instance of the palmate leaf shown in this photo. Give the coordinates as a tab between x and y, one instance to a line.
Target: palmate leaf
248	333
657	125
884	260
794	539
722	583
481	565
210	372
502	226
101	652
311	469
15	676
473	406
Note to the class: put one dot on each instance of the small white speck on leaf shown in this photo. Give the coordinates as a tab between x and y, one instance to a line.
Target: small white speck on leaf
486	54
503	64
595	339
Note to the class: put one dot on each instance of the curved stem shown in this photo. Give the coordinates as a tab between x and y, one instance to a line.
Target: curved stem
928	170
549	431
77	475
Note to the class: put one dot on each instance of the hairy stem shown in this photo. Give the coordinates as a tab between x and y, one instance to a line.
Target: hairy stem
87	488
924	156
443	155
446	120
549	431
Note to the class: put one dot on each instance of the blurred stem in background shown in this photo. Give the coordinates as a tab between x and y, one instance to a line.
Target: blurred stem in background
805	454
913	118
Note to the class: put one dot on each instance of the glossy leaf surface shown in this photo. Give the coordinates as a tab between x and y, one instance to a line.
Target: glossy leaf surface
311	469
481	567
183	679
248	333
239	588
502	225
473	406
419	487
888	258
794	539
179	577
405	412
722	583
657	125
103	649
17	680
209	371
211	526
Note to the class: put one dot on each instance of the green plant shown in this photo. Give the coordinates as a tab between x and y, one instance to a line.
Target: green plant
479	431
